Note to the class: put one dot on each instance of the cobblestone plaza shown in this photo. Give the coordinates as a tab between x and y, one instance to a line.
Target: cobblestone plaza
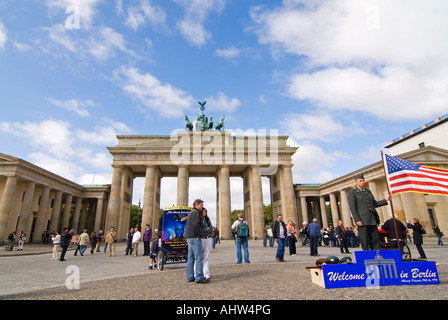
31	274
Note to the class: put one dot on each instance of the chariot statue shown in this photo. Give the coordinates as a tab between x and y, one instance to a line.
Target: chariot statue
203	123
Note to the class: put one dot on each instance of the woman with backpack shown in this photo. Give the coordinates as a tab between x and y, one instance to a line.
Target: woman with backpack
241	229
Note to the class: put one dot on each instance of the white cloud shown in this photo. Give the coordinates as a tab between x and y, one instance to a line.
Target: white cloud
3	36
51	136
58	148
101	43
392	93
57	33
105	42
105	133
375	56
139	15
312	164
315	127
222	103
62	167
22	47
228	53
78	106
163	99
196	12
87	9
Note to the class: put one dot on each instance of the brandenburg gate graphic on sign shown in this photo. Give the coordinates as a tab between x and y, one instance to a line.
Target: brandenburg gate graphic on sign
200	151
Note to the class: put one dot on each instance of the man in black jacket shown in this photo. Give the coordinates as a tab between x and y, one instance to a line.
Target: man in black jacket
193	236
65	242
279	233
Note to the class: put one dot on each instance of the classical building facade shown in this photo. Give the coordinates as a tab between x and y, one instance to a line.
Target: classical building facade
202	154
328	202
35	200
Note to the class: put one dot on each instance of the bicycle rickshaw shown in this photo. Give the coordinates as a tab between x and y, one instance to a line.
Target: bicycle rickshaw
391	244
173	246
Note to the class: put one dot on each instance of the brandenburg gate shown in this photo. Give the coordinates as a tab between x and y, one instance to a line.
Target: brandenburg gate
202	153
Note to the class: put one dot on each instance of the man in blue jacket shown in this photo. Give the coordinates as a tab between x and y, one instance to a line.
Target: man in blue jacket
315	235
193	236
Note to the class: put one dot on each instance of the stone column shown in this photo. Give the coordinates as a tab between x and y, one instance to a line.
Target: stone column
148	197
113	210
182	185
41	220
6	206
98	215
398	209
76	214
304	209
414	206
345	207
323	212
66	214
27	209
316	211
224	202
56	212
334	209
257	203
288	195
82	220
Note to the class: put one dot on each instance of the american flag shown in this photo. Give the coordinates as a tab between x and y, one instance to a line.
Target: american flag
405	176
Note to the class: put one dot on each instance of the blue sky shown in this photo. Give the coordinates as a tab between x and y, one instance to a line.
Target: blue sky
341	78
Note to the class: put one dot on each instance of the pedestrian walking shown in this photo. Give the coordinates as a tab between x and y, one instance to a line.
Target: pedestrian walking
315	236
56	241
93	241
147	236
66	237
265	236
84	240
279	233
439	235
129	242
135	241
99	240
417	236
241	229
193	234
77	244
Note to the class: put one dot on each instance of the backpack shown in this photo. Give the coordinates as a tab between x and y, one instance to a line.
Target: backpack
243	230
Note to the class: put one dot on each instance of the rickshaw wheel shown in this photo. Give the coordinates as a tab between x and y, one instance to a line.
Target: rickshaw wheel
405	252
160	260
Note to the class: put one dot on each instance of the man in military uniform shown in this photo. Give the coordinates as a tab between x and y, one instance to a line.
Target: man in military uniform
362	205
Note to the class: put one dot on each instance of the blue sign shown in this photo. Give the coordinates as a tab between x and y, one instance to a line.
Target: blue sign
379	268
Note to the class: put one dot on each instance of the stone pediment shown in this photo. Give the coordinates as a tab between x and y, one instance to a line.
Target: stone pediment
427	156
8	158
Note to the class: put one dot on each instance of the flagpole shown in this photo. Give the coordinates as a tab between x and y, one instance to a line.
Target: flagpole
391	206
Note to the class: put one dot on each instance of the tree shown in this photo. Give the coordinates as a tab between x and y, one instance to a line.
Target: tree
267	214
136	217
